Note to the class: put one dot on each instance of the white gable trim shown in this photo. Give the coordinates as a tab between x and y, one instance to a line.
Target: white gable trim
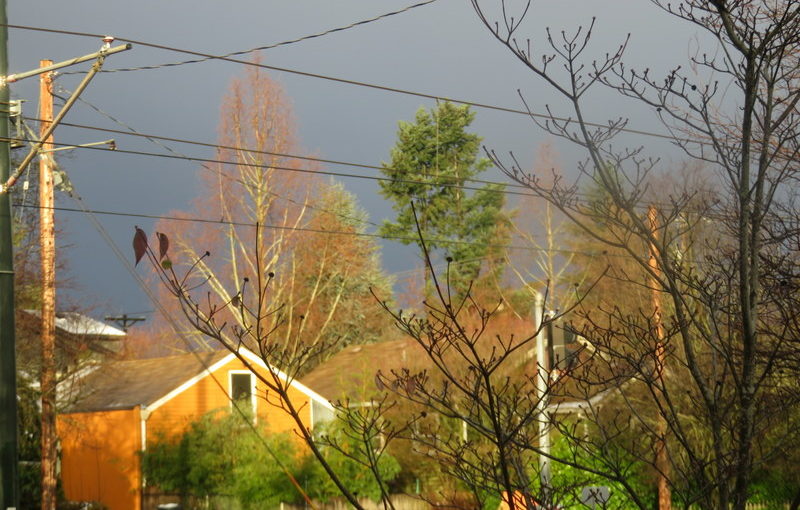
253	358
191	382
250	355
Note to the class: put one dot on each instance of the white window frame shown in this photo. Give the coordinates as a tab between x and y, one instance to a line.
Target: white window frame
253	399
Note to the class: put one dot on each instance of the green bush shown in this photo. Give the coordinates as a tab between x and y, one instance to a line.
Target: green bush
349	461
568	481
220	454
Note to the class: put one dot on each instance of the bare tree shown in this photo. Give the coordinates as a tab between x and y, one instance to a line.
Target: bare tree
699	373
708	361
539	226
277	216
254	327
478	408
290	275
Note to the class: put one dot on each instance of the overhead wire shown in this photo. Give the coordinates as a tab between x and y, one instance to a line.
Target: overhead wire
499	189
270	46
406	239
409	238
271	153
353	82
198	159
194	219
397	90
157	141
527	111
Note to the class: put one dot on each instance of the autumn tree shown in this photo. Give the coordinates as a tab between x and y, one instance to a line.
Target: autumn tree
286	272
433	164
345	267
477	412
699	369
303	236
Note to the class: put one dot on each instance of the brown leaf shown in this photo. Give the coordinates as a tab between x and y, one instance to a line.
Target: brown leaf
139	244
379	382
411	386
163	245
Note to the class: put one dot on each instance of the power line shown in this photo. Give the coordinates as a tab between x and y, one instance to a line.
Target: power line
272	227
409	237
197	159
156	141
270	46
500	187
356	82
267	153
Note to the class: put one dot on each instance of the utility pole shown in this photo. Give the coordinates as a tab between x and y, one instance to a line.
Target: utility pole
9	456
99	58
542	381
662	461
124	321
47	241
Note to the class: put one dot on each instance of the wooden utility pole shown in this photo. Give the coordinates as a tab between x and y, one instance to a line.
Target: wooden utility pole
124	321
9	456
662	461
47	241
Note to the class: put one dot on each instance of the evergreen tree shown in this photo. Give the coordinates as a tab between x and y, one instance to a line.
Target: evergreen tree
434	158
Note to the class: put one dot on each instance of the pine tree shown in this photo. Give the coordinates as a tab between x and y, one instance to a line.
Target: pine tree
434	158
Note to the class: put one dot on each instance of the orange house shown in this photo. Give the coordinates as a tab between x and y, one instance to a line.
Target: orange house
126	403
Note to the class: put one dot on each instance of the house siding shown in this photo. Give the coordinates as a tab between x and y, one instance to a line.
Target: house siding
174	416
101	449
100	457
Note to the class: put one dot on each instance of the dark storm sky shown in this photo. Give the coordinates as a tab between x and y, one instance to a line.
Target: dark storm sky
440	49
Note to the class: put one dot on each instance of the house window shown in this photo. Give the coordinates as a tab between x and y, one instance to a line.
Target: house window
242	390
562	345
